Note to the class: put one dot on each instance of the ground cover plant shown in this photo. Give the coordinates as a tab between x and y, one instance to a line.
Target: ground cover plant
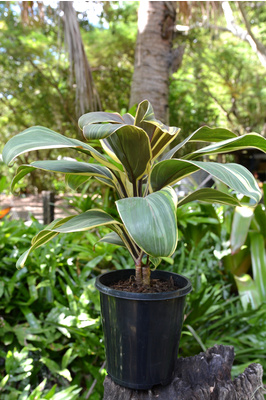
50	324
50	327
214	311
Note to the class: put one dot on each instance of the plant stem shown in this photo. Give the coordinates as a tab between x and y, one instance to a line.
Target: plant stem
135	190
140	188
138	266
146	275
138	271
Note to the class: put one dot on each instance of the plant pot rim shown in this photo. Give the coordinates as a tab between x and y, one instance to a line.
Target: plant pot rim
182	281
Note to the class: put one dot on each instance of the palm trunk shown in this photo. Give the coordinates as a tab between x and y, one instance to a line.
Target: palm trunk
153	55
87	98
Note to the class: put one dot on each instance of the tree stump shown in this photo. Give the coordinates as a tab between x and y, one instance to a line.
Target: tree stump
206	376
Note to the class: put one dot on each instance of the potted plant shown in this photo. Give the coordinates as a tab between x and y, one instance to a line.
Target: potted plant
142	328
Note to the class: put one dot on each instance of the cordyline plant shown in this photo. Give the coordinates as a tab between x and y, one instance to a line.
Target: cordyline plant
137	163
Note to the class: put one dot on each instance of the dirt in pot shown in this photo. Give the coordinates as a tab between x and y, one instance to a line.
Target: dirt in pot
156	286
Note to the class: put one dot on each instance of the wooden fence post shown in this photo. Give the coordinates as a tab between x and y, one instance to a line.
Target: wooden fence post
48	200
206	376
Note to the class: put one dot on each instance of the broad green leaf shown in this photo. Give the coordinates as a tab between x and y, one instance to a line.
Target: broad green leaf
160	135
132	147
37	138
30	317
21	172
235	176
4	381
240	227
258	258
238	263
66	167
248	291
41	238
85	221
22	259
71	393
55	369
112	238
82	222
66	358
128	118
207	134
75	181
121	238
169	172
260	215
145	114
36	394
99	117
208	195
250	140
144	108
73	167
203	134
101	131
151	221
156	261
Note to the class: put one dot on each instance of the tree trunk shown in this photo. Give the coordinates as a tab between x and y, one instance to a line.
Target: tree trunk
206	376
87	98
153	55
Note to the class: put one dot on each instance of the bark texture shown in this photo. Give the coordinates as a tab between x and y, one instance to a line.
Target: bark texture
154	56
87	98
206	376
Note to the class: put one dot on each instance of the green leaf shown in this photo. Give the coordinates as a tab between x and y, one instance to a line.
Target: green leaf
80	169
30	317
131	146
85	221
71	393
112	238
100	117
208	195
82	222
240	227
151	221
248	291
75	181
260	215
55	369
258	258
235	176
203	134
250	140
196	337
41	238
4	381
37	138
160	135
156	261
101	131
66	358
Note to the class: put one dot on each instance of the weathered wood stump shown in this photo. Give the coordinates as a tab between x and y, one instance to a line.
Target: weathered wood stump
206	376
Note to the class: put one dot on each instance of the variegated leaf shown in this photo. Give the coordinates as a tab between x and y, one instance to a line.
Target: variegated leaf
235	176
37	138
151	221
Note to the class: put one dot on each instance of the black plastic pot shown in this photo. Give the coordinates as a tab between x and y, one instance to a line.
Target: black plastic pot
141	330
